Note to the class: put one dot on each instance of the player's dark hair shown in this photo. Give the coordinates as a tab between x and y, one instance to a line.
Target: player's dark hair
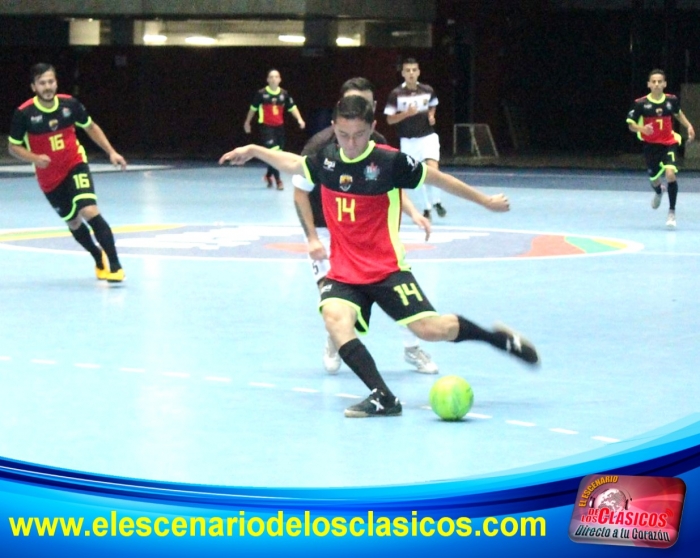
40	69
408	61
354	107
357	84
267	75
657	71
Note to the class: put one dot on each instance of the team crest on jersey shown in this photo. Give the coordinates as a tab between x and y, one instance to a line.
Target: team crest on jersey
328	164
66	112
659	111
53	124
371	172
345	182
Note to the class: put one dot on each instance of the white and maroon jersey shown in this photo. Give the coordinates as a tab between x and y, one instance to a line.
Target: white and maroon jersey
401	98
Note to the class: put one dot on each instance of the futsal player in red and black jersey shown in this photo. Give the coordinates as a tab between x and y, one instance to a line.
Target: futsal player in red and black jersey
360	188
651	118
270	104
307	200
43	133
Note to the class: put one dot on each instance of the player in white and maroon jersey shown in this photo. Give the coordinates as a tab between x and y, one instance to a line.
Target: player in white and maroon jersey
411	108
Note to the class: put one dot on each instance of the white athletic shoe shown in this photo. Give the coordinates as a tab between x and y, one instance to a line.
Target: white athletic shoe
331	358
671	220
420	359
656	201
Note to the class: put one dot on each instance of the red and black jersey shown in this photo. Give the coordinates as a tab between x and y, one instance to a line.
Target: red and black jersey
362	207
660	115
51	131
318	142
271	105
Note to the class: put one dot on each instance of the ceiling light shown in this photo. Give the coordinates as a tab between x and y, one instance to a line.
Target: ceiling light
199	40
346	42
298	39
154	39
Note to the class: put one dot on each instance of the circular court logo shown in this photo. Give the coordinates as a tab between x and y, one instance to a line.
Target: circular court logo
275	242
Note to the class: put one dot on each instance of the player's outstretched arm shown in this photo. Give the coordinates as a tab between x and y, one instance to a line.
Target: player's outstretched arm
283	161
452	185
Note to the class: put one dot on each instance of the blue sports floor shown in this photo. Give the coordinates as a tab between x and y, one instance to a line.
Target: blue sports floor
205	365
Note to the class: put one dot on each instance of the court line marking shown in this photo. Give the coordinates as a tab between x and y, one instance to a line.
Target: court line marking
520	423
313	390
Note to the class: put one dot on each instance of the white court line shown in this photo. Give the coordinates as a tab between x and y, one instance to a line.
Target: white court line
42	361
175	374
305	390
562	431
477	415
217	379
139	370
348	396
605	439
5	358
520	423
261	384
86	365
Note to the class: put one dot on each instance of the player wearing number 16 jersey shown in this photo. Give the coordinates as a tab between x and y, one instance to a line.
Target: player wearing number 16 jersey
43	133
360	184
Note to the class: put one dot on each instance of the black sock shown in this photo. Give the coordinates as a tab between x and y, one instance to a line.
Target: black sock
672	188
657	189
104	236
469	331
358	359
84	238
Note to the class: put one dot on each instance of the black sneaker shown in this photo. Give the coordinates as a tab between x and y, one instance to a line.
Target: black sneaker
426	214
441	211
517	345
376	405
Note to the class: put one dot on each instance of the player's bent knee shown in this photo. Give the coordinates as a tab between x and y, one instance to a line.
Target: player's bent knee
427	329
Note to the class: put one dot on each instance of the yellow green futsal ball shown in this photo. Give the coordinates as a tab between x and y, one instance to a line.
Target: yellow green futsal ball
451	397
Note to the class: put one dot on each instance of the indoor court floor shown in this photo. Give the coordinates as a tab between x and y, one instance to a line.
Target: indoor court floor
205	365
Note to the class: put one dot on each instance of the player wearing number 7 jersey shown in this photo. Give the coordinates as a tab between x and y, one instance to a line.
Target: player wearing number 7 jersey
651	119
361	185
43	133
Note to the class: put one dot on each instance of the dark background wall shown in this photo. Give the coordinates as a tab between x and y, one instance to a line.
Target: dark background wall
545	80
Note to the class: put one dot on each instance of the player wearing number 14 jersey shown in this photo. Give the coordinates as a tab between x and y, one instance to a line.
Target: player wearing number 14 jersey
43	133
360	184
